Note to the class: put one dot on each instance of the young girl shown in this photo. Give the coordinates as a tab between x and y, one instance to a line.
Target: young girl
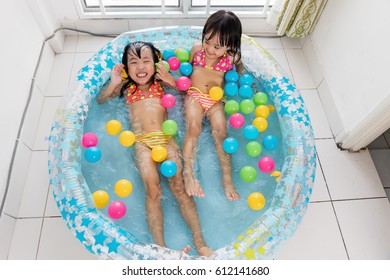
143	97
220	49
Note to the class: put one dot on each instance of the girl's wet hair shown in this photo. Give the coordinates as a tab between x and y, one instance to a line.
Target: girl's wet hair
135	48
228	26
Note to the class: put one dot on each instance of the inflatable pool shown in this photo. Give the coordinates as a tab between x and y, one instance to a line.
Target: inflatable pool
73	182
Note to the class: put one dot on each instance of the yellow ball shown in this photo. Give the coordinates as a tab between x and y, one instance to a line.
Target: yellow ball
127	138
260	123
216	93
123	188
262	111
113	127
271	108
101	198
159	153
256	201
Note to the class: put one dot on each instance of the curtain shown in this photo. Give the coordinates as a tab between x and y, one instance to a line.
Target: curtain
295	18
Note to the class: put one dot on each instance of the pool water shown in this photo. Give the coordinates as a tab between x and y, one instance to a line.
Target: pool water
222	221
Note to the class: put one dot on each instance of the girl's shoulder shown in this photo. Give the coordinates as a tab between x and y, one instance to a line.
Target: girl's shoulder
195	48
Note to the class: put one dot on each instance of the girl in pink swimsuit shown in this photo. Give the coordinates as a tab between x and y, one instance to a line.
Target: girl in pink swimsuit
219	51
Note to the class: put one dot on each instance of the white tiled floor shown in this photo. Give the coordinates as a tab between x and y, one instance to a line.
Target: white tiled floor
349	213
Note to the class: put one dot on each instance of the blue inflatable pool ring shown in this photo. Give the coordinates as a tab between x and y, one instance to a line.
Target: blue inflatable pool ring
105	236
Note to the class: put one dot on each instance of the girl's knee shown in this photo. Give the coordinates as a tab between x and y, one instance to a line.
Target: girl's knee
219	134
193	129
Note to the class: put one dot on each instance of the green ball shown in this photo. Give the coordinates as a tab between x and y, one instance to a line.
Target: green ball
169	127
231	107
182	55
248	174
166	65
260	98
247	106
253	148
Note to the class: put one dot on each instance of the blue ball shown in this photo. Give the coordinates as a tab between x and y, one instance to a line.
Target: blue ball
168	168
246	79
245	92
92	154
231	76
270	142
185	68
167	54
230	89
230	145
250	132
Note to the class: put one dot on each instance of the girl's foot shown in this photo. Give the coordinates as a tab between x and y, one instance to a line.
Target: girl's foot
205	251
192	185
186	249
231	193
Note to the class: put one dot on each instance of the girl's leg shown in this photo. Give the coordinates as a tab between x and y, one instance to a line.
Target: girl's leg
186	203
149	174
217	119
193	114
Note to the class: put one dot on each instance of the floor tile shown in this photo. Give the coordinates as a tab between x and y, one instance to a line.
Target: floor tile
7	225
70	44
290	43
45	122
388	193
348	175
281	58
269	43
387	136
51	206
58	243
299	69
91	44
312	62
60	74
317	237
381	159
45	67
25	239
36	187
320	190
317	114
100	27
365	226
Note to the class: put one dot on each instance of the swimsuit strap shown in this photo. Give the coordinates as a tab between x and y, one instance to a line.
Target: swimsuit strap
133	93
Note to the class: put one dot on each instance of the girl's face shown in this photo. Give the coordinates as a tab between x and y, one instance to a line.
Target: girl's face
141	70
212	47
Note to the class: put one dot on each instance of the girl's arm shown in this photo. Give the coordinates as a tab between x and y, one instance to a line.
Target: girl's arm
194	49
114	87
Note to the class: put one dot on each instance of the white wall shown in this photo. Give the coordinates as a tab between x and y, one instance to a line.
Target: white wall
352	46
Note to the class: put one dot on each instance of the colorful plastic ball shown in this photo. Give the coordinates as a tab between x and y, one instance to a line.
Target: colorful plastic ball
127	138
92	154
247	106
183	83
113	127
89	140
123	188
230	145
260	123
266	164
250	132
101	198
246	79
166	65
236	120
231	76
159	153
116	209
253	149
256	201
248	173
260	98
231	89
232	107
169	127
270	142
182	55
262	111
174	63
167	54
168	101
245	92
216	93
185	69
168	168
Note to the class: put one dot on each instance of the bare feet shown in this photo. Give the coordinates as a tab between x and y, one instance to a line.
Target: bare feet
186	249
205	251
192	185
231	193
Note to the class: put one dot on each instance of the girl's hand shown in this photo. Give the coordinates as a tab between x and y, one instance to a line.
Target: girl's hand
116	74
163	75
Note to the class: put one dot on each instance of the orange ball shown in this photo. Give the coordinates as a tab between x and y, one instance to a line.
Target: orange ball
262	111
123	188
256	201
159	153
101	198
113	127
260	123
216	93
127	138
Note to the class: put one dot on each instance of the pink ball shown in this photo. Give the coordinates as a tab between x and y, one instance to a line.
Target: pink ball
174	63
116	209
236	120
183	83
168	101
89	140
266	164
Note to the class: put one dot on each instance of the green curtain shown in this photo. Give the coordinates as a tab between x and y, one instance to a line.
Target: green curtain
295	18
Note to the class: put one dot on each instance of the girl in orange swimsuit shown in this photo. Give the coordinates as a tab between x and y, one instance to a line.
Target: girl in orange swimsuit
219	51
143	97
